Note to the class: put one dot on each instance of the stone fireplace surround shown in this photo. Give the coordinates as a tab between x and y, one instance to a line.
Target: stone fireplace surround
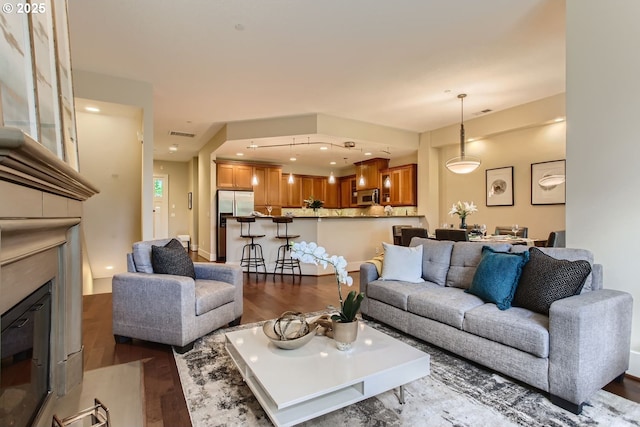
40	240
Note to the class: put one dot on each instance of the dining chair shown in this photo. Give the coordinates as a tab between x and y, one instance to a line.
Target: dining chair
502	230
452	234
556	239
410	233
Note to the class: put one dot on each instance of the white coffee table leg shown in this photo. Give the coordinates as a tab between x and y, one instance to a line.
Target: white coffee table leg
401	394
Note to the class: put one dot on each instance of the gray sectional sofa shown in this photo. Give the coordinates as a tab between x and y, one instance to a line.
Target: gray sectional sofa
580	346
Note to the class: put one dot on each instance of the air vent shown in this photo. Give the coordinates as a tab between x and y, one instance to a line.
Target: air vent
185	134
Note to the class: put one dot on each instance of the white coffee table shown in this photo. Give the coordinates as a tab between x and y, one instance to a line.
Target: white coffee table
297	385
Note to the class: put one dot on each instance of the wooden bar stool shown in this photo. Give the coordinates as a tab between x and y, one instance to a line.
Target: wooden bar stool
283	261
251	252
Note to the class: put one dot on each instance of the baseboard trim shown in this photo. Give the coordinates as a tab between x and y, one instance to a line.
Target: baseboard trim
634	364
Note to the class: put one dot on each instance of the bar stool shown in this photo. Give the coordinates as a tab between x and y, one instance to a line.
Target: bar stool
282	260
253	256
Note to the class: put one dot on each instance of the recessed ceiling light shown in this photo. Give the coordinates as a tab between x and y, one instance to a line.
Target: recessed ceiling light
239	154
92	109
324	147
173	148
109	267
293	159
332	163
367	153
559	119
253	146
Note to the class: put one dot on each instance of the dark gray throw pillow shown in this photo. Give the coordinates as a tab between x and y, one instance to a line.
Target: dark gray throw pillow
546	279
172	259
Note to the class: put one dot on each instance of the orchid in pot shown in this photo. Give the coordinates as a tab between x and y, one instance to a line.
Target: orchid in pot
311	253
463	209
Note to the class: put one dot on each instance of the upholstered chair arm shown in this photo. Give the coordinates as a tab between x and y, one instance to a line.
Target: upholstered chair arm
589	342
368	273
224	273
154	307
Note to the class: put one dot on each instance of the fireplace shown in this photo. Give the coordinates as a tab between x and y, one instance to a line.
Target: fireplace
40	263
25	347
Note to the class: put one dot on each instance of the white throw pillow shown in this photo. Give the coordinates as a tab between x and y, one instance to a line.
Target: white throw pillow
402	263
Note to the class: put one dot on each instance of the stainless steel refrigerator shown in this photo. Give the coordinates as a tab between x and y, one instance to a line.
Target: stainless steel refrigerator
230	204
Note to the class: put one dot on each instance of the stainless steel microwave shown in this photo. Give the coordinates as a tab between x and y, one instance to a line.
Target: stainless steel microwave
368	197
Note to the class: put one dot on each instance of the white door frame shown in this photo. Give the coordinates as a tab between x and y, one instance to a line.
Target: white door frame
161	219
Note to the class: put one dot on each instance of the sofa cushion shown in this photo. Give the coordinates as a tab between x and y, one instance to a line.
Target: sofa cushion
172	259
142	254
443	304
497	276
465	257
569	254
517	327
395	293
402	263
436	256
211	294
546	279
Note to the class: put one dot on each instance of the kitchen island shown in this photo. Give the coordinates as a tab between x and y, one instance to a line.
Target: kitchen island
356	238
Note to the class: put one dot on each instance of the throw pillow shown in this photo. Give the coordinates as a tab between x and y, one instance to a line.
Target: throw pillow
497	276
172	259
546	279
402	263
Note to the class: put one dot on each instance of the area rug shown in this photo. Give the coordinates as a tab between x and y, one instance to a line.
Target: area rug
457	393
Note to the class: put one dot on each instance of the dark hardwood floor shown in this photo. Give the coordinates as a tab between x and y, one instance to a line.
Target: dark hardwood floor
264	298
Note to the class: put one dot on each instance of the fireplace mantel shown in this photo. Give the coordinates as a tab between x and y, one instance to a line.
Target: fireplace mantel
40	240
26	162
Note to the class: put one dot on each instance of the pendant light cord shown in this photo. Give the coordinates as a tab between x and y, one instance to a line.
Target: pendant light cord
462	96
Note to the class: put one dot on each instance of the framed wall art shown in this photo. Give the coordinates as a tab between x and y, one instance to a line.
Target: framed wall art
500	186
548	183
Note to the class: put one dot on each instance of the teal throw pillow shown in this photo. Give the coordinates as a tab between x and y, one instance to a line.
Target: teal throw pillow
497	276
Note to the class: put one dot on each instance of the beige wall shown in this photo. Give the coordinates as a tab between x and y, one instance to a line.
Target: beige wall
602	142
193	213
206	195
518	148
100	87
110	158
178	211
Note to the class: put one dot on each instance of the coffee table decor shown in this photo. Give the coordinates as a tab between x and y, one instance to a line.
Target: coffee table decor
293	386
344	323
290	331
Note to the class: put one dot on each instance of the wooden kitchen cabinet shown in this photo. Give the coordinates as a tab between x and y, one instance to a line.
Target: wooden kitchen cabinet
347	190
268	190
305	186
291	193
402	189
370	170
332	194
233	176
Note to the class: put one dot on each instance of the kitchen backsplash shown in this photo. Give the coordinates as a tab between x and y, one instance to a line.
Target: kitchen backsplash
368	211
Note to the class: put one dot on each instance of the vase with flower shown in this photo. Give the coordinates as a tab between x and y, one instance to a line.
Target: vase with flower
314	204
463	209
344	323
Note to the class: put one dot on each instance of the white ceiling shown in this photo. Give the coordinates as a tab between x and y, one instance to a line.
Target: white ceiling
396	63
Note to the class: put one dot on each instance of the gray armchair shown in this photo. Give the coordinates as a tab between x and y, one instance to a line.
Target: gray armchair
170	309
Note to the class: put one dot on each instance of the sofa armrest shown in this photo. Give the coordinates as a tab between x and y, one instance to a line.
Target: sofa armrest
231	274
368	273
228	273
152	299
590	338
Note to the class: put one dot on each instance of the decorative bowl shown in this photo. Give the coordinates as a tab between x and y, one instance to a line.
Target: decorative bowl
290	344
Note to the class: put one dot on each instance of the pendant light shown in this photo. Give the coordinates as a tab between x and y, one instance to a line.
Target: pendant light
332	178
462	164
291	159
361	181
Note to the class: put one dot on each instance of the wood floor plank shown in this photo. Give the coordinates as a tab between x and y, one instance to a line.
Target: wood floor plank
264	298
